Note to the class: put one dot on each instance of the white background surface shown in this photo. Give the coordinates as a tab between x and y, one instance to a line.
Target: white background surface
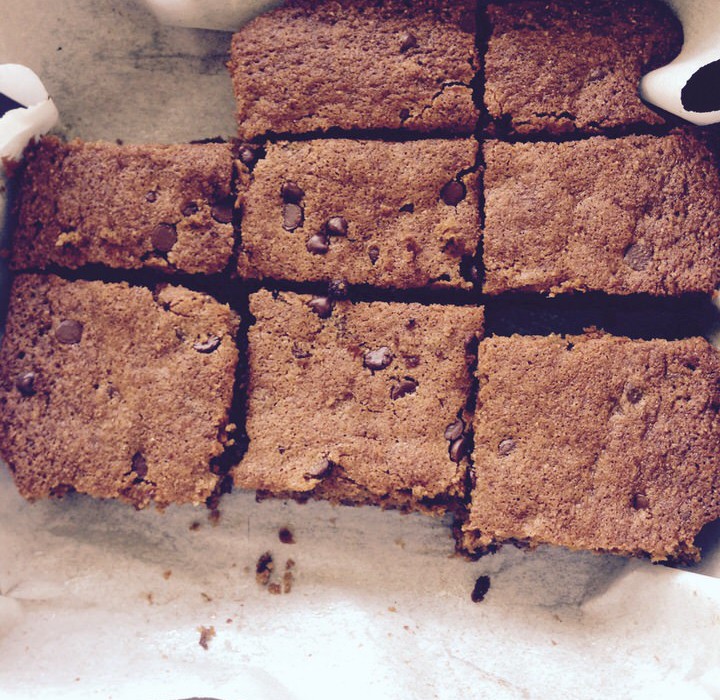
380	606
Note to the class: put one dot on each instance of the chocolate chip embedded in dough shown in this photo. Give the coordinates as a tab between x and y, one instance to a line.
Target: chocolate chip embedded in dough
189	209
163	237
151	196
319	470
404	114
506	447
322	306
373	253
453	192
291	192
634	394
69	332
139	465
317	244
640	501
210	345
459	448
222	211
25	384
638	256
405	387
407	41
378	359
292	217
455	430
248	154
336	226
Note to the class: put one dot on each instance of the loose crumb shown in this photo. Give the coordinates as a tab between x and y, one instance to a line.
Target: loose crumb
482	586
274	588
264	568
194	525
286	536
167	574
206	634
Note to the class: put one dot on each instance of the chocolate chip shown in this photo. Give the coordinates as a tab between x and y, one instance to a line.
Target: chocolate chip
322	306
248	154
320	470
373	253
286	536
189	209
151	196
69	332
408	208
405	387
222	211
404	113
318	244
455	430
640	501
634	394
291	192
482	586
25	384
164	237
506	447
412	361
378	359
139	465
407	41
338	289
210	345
292	217
336	226
638	256
452	193
459	448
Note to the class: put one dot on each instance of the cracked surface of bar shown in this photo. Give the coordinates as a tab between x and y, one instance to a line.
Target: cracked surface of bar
401	215
355	407
313	65
574	66
115	391
595	442
627	215
167	208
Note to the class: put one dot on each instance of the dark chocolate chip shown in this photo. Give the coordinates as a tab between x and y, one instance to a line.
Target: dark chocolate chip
248	155
210	345
700	93
7	104
407	41
318	244
292	217
638	256
291	192
452	193
320	470
189	209
25	384
336	226
378	359
164	237
455	430
408	208
404	113
69	332
634	394
139	465
405	387
412	361
151	196
640	501
459	448
222	211
506	447
373	253
338	289
322	306
286	536
482	586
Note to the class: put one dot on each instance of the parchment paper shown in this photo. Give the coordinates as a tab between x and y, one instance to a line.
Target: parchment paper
98	600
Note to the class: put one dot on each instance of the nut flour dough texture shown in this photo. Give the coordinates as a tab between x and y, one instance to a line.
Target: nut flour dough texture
364	405
622	216
596	442
399	215
115	391
575	65
313	65
163	207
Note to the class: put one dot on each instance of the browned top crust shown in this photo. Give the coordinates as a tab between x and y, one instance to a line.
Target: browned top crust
113	390
396	215
598	443
635	214
317	64
575	65
356	405
165	207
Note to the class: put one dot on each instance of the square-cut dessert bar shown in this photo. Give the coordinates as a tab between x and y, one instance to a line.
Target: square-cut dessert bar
359	403
626	215
313	65
125	206
575	65
396	215
595	442
115	391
